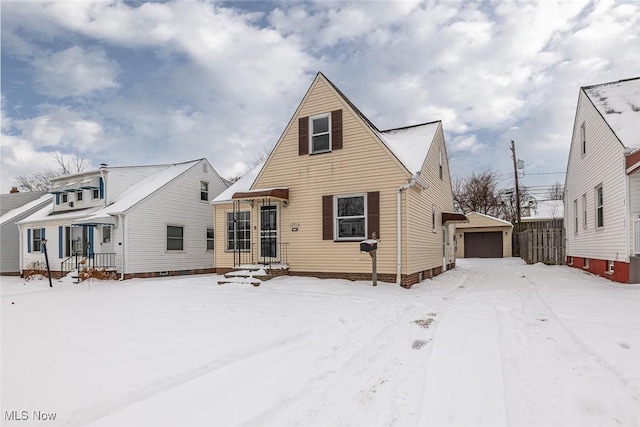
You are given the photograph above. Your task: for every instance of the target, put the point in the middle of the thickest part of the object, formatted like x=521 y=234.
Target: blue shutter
x=42 y=237
x=90 y=241
x=29 y=240
x=101 y=188
x=60 y=240
x=57 y=199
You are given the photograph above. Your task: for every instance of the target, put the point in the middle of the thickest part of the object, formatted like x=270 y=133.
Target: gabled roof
x=409 y=144
x=13 y=214
x=126 y=201
x=495 y=222
x=619 y=105
x=405 y=143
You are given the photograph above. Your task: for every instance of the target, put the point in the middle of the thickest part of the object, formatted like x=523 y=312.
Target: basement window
x=610 y=267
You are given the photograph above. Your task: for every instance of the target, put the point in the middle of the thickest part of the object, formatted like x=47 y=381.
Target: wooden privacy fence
x=546 y=246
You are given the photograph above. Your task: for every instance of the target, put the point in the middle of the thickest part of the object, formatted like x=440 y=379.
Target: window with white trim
x=65 y=198
x=204 y=191
x=584 y=211
x=320 y=130
x=175 y=238
x=79 y=196
x=95 y=193
x=575 y=216
x=599 y=202
x=440 y=162
x=583 y=139
x=36 y=240
x=238 y=231
x=351 y=217
x=209 y=238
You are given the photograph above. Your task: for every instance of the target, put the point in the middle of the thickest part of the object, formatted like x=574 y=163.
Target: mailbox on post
x=368 y=245
x=371 y=247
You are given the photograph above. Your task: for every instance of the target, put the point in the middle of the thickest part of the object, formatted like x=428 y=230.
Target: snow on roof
x=492 y=218
x=619 y=104
x=410 y=144
x=241 y=185
x=146 y=187
x=45 y=214
x=15 y=213
x=546 y=209
x=126 y=201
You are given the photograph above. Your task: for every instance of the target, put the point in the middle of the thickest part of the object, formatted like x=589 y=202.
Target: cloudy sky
x=139 y=83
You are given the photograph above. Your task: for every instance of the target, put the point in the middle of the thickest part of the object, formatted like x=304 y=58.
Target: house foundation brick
x=599 y=268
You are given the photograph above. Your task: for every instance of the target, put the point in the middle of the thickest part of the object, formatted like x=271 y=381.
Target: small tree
x=556 y=192
x=478 y=193
x=41 y=181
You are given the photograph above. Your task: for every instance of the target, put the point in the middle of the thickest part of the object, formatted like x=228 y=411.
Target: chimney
x=103 y=165
x=14 y=190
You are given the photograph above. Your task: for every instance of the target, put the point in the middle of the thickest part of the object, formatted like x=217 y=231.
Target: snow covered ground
x=493 y=342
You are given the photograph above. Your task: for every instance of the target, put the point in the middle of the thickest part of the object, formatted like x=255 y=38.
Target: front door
x=106 y=245
x=268 y=233
x=79 y=241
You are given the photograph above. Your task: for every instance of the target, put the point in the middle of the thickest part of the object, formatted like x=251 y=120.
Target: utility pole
x=515 y=171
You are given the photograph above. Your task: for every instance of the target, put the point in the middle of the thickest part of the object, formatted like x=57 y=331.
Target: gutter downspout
x=628 y=222
x=410 y=184
x=121 y=221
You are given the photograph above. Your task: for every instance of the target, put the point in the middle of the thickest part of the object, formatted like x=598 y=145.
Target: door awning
x=453 y=218
x=281 y=193
x=93 y=220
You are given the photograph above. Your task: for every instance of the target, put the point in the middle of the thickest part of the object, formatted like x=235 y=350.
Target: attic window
x=440 y=162
x=583 y=139
x=320 y=133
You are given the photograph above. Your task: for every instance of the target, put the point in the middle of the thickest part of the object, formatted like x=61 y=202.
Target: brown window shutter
x=303 y=136
x=336 y=130
x=373 y=214
x=327 y=217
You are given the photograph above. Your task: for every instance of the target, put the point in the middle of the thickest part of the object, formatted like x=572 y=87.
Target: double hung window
x=320 y=133
x=175 y=238
x=351 y=217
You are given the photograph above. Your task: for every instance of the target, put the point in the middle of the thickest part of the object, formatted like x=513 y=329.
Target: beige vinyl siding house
x=144 y=221
x=483 y=231
x=601 y=196
x=333 y=180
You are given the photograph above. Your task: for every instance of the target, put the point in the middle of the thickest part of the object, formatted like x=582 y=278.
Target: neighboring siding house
x=483 y=236
x=139 y=221
x=15 y=207
x=602 y=188
x=333 y=180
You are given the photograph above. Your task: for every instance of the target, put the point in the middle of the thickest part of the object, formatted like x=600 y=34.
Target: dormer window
x=65 y=197
x=320 y=133
x=95 y=194
x=79 y=196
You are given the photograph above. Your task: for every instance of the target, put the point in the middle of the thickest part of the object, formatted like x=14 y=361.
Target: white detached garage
x=483 y=236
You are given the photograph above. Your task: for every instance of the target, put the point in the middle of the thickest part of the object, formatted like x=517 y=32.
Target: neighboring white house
x=602 y=188
x=539 y=210
x=15 y=207
x=140 y=221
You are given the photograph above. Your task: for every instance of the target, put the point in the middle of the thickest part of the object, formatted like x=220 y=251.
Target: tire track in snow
x=374 y=374
x=104 y=409
x=549 y=370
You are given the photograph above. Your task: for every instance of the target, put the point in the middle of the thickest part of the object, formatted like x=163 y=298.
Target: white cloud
x=75 y=72
x=226 y=85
